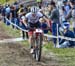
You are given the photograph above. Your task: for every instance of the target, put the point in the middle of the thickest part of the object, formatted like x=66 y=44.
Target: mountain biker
x=32 y=18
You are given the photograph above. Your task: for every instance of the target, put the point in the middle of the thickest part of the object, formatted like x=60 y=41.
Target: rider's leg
x=31 y=41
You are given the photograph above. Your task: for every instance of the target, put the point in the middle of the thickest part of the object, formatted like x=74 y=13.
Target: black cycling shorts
x=31 y=26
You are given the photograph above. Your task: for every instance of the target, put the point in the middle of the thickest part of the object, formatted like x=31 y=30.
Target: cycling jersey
x=33 y=19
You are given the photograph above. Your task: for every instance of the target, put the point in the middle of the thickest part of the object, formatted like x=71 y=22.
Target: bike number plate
x=39 y=31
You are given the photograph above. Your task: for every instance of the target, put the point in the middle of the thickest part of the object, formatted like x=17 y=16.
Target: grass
x=6 y=1
x=10 y=31
x=13 y=32
x=66 y=56
x=2 y=1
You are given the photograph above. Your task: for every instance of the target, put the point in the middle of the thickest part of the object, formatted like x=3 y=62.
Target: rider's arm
x=45 y=18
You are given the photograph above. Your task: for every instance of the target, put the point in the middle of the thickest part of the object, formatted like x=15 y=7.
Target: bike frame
x=38 y=38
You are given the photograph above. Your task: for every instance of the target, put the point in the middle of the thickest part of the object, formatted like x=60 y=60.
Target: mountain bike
x=38 y=39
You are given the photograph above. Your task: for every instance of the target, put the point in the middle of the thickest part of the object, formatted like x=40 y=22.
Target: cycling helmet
x=34 y=9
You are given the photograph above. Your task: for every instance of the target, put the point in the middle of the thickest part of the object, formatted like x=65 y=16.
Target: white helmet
x=34 y=9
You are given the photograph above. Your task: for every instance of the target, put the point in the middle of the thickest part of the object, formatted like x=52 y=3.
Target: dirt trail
x=14 y=54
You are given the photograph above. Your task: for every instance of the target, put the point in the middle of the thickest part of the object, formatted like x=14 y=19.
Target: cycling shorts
x=32 y=26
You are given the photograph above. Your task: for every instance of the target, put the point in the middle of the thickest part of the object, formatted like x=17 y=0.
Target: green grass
x=2 y=1
x=13 y=33
x=10 y=31
x=66 y=56
x=6 y=1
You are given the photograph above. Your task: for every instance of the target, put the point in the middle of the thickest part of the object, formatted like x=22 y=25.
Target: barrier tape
x=50 y=36
x=15 y=25
x=12 y=40
x=62 y=37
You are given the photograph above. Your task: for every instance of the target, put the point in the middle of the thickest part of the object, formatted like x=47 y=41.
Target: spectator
x=71 y=13
x=7 y=13
x=14 y=15
x=67 y=33
x=54 y=16
x=23 y=24
x=66 y=7
x=16 y=5
x=44 y=25
x=3 y=13
x=0 y=8
x=20 y=8
x=39 y=2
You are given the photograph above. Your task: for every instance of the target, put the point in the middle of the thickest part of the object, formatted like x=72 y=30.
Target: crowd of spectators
x=63 y=16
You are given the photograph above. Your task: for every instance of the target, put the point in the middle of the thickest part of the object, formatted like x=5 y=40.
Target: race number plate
x=39 y=31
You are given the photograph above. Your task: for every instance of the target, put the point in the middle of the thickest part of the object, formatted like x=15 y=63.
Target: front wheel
x=38 y=49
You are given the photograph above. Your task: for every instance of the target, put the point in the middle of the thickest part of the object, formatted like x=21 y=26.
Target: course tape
x=15 y=25
x=12 y=40
x=62 y=37
x=50 y=36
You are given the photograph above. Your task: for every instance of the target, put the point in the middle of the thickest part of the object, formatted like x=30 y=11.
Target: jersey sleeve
x=40 y=14
x=27 y=16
